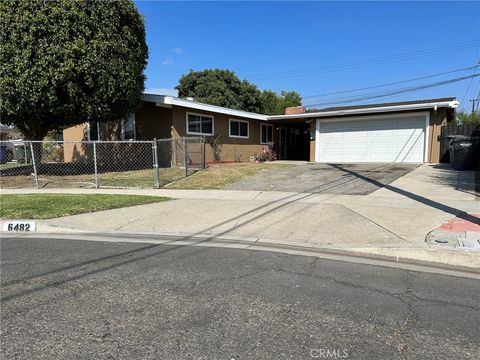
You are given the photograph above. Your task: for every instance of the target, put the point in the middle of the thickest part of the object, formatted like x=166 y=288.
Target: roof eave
x=443 y=104
x=163 y=100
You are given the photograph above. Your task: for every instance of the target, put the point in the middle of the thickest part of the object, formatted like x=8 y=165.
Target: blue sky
x=299 y=46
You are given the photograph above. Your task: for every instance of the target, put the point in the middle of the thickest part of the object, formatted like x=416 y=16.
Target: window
x=199 y=124
x=266 y=133
x=238 y=128
x=128 y=128
x=93 y=131
x=59 y=135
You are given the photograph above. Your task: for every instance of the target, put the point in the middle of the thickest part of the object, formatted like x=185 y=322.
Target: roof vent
x=190 y=98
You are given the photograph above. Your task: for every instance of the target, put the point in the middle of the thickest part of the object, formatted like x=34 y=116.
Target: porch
x=292 y=139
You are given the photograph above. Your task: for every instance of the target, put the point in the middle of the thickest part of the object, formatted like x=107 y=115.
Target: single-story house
x=4 y=130
x=389 y=132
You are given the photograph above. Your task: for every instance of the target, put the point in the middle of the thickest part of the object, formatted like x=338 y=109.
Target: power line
x=468 y=88
x=395 y=92
x=471 y=81
x=425 y=52
x=374 y=93
x=366 y=63
x=392 y=83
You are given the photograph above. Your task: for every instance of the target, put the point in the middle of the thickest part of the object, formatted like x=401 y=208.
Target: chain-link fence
x=95 y=164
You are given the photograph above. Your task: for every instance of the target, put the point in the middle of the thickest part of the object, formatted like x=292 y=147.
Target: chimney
x=294 y=110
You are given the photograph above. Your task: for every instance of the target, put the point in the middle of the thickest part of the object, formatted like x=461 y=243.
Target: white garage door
x=376 y=139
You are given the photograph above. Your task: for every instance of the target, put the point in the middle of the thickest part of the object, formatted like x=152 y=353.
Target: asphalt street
x=73 y=299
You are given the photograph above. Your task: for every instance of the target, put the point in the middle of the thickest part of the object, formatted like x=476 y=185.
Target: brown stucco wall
x=109 y=131
x=153 y=121
x=438 y=118
x=312 y=151
x=74 y=133
x=230 y=146
x=313 y=130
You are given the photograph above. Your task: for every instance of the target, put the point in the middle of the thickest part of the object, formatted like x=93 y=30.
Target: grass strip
x=48 y=206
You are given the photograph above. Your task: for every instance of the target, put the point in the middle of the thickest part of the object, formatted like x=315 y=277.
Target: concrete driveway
x=348 y=179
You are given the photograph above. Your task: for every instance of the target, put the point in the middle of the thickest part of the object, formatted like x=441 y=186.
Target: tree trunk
x=36 y=134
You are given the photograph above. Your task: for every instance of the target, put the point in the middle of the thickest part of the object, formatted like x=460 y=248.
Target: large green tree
x=65 y=62
x=465 y=118
x=223 y=88
x=275 y=104
x=220 y=87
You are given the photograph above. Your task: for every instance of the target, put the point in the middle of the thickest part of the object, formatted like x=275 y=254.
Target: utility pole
x=473 y=101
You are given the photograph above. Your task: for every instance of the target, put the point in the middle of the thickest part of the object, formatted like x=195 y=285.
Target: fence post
x=155 y=163
x=203 y=153
x=95 y=163
x=185 y=158
x=34 y=164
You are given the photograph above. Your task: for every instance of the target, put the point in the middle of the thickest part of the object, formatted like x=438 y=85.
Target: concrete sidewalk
x=393 y=220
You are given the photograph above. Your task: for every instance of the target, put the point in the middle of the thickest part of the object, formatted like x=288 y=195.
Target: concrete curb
x=456 y=260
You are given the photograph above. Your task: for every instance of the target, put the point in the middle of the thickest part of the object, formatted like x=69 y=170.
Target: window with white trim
x=238 y=128
x=266 y=133
x=128 y=128
x=199 y=124
x=93 y=131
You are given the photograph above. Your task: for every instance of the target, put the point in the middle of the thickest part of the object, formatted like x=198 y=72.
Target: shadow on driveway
x=421 y=199
x=313 y=178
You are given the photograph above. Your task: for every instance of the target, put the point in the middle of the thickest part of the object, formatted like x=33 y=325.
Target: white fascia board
x=155 y=98
x=216 y=109
x=448 y=104
x=168 y=101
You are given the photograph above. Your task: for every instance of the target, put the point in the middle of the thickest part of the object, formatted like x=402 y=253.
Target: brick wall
x=295 y=110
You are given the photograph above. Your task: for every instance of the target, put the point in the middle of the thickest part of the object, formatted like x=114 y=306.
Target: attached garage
x=377 y=138
x=398 y=132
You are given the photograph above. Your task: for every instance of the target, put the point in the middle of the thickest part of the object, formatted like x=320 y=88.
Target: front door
x=282 y=143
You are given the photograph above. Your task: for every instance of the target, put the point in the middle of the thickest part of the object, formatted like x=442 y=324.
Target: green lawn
x=12 y=165
x=47 y=206
x=217 y=176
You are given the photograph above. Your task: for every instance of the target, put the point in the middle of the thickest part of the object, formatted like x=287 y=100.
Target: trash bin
x=3 y=154
x=22 y=152
x=464 y=152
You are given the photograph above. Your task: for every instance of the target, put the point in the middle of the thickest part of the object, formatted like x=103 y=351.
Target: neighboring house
x=389 y=132
x=4 y=132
